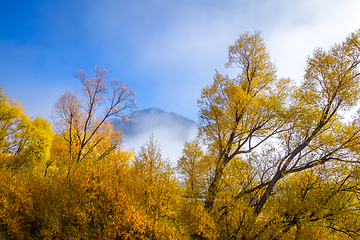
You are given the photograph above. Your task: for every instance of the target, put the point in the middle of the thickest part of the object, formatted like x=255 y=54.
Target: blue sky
x=167 y=51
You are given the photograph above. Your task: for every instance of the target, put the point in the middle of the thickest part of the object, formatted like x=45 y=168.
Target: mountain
x=151 y=119
x=170 y=130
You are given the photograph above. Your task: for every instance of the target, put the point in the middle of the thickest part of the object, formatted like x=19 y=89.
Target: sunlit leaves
x=238 y=115
x=14 y=124
x=333 y=75
x=194 y=169
x=156 y=191
x=264 y=130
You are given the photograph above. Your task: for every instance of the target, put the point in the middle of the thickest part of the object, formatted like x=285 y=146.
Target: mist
x=170 y=130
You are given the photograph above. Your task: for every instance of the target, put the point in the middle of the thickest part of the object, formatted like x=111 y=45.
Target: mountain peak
x=153 y=117
x=155 y=110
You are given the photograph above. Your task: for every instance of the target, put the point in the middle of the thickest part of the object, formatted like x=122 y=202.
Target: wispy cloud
x=306 y=26
x=170 y=130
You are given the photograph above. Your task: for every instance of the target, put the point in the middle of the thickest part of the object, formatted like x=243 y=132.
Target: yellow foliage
x=278 y=161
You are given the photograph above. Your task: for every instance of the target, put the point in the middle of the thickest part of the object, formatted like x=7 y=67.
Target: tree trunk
x=214 y=186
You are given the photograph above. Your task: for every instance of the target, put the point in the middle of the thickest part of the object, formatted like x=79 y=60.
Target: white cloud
x=324 y=23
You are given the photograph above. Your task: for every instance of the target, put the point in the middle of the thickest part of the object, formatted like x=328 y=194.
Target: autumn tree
x=24 y=142
x=235 y=112
x=313 y=204
x=316 y=133
x=14 y=124
x=25 y=145
x=156 y=191
x=273 y=125
x=194 y=169
x=189 y=168
x=76 y=120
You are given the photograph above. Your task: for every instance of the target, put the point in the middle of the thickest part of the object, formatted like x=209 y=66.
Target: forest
x=273 y=159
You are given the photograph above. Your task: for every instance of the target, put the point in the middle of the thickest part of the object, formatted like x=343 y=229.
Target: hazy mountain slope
x=170 y=130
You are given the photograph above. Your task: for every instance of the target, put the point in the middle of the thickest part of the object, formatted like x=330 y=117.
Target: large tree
x=235 y=112
x=76 y=120
x=275 y=126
